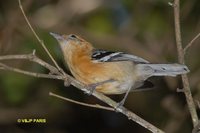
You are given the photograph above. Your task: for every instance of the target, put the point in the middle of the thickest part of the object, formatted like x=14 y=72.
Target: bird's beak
x=57 y=36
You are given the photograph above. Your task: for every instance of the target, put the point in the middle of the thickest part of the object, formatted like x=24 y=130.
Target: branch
x=191 y=42
x=132 y=116
x=31 y=57
x=196 y=129
x=33 y=74
x=180 y=51
x=81 y=103
x=37 y=37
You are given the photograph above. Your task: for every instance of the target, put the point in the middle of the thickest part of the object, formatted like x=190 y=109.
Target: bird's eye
x=73 y=36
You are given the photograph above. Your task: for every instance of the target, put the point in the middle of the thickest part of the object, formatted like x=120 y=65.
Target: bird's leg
x=93 y=86
x=121 y=103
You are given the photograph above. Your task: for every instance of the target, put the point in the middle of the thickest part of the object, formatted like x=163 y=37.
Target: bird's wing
x=108 y=56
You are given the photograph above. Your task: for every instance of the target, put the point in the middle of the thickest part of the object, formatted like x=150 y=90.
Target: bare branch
x=196 y=128
x=40 y=41
x=197 y=104
x=191 y=42
x=33 y=58
x=180 y=51
x=132 y=116
x=33 y=74
x=81 y=103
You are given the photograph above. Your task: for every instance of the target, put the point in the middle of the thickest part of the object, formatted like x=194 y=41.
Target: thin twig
x=180 y=51
x=197 y=104
x=191 y=42
x=31 y=57
x=37 y=37
x=196 y=128
x=81 y=103
x=130 y=115
x=33 y=74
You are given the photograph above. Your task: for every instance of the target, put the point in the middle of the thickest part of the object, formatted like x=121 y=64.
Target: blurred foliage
x=15 y=87
x=101 y=22
x=141 y=27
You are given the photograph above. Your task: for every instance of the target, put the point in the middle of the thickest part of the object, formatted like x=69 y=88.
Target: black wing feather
x=109 y=56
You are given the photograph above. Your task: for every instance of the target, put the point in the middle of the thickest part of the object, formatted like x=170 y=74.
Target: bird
x=110 y=72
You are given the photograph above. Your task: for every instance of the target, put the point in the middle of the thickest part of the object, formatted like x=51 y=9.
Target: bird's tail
x=162 y=69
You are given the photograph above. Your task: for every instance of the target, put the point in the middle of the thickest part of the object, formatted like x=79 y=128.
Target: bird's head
x=72 y=43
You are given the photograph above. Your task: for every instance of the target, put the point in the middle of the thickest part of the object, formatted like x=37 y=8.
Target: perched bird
x=110 y=72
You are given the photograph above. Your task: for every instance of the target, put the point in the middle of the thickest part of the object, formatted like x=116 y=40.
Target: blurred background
x=141 y=27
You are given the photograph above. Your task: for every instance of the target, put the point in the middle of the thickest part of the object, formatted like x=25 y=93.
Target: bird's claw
x=90 y=88
x=119 y=106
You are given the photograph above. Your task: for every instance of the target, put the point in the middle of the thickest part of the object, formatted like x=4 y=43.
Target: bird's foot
x=92 y=87
x=119 y=105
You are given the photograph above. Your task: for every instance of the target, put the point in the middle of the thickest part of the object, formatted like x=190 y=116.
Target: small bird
x=110 y=72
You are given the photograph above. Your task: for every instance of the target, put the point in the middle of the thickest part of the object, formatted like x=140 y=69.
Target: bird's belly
x=121 y=76
x=116 y=87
